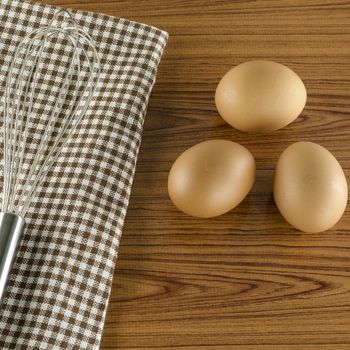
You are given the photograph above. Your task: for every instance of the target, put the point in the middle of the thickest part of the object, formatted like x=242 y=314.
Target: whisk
x=50 y=84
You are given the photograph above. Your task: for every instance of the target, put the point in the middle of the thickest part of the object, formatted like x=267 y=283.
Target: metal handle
x=11 y=230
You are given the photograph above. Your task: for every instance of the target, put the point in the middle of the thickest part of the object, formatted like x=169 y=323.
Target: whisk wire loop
x=19 y=160
x=29 y=155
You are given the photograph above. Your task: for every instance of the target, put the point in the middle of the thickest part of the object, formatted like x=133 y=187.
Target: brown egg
x=260 y=96
x=211 y=178
x=310 y=187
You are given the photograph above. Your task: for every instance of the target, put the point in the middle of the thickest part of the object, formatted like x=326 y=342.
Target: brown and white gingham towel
x=59 y=289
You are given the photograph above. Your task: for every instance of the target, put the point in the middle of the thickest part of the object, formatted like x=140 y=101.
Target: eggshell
x=310 y=187
x=260 y=96
x=211 y=178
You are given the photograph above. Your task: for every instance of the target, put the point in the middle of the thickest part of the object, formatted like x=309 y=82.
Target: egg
x=211 y=178
x=310 y=187
x=260 y=96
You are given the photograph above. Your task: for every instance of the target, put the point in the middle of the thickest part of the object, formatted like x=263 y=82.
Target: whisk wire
x=72 y=121
x=58 y=145
x=27 y=113
x=50 y=125
x=31 y=60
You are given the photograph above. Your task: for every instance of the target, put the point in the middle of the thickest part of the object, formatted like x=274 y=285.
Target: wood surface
x=245 y=280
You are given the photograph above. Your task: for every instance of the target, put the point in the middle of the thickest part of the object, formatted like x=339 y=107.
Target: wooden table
x=245 y=280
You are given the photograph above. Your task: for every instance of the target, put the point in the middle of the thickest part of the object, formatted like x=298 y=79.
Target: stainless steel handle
x=11 y=230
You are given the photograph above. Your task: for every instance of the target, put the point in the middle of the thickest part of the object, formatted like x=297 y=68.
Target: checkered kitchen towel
x=61 y=281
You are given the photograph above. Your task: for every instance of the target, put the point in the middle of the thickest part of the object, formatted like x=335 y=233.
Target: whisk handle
x=11 y=230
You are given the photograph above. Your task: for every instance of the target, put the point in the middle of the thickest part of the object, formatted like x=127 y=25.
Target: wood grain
x=246 y=280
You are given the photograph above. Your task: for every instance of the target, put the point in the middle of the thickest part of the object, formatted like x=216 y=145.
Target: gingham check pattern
x=59 y=289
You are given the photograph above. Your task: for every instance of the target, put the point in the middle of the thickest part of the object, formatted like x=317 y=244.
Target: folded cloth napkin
x=60 y=285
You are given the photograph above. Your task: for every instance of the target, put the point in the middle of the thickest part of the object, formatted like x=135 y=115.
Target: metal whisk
x=51 y=81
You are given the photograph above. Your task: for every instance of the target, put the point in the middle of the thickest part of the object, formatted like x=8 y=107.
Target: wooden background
x=246 y=280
